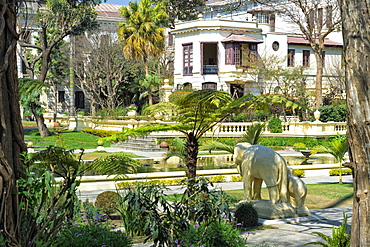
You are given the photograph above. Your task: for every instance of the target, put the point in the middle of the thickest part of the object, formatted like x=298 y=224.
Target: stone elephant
x=257 y=163
x=298 y=192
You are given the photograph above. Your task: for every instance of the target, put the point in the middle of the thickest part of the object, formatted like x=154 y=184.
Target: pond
x=220 y=162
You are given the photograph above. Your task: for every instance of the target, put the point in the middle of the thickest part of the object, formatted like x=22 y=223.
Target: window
x=291 y=57
x=61 y=96
x=188 y=59
x=306 y=58
x=209 y=85
x=262 y=17
x=241 y=54
x=79 y=100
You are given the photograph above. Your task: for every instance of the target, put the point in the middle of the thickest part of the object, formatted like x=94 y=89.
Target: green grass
x=318 y=196
x=70 y=140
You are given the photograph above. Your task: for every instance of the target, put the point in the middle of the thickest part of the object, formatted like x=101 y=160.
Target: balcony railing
x=210 y=69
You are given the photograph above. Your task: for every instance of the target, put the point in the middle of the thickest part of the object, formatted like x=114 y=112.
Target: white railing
x=232 y=129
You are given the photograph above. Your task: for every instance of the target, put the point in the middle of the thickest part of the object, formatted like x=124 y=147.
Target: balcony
x=210 y=69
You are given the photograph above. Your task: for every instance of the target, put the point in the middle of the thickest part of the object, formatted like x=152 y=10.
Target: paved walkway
x=292 y=232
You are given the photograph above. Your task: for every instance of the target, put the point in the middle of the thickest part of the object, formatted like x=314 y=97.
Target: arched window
x=209 y=85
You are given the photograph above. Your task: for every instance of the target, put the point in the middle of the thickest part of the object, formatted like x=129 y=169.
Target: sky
x=120 y=2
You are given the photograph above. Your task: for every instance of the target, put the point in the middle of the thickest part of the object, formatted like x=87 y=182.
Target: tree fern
x=116 y=164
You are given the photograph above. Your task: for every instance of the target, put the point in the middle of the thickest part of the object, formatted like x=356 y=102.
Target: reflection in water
x=219 y=162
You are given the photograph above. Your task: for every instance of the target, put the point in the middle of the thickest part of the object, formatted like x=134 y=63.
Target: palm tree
x=338 y=148
x=143 y=32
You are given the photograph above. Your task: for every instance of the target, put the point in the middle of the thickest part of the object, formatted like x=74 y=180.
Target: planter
x=56 y=124
x=132 y=114
x=164 y=144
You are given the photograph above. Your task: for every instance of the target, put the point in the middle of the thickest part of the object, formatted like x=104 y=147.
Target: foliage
x=253 y=133
x=91 y=227
x=107 y=77
x=217 y=179
x=275 y=126
x=299 y=173
x=246 y=215
x=257 y=115
x=182 y=9
x=336 y=113
x=145 y=210
x=107 y=201
x=343 y=171
x=236 y=178
x=215 y=234
x=46 y=203
x=29 y=92
x=176 y=148
x=100 y=133
x=118 y=164
x=61 y=18
x=340 y=236
x=114 y=113
x=338 y=148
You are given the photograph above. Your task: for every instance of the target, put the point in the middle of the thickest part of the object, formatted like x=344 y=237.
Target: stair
x=145 y=144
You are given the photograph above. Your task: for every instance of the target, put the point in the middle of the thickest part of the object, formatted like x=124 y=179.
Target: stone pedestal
x=267 y=210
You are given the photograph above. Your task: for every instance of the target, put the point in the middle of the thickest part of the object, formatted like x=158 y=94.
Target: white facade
x=211 y=36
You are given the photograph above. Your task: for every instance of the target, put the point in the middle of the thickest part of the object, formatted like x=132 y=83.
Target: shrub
x=336 y=172
x=216 y=234
x=242 y=117
x=299 y=173
x=299 y=144
x=336 y=113
x=275 y=126
x=246 y=215
x=236 y=178
x=92 y=236
x=107 y=201
x=217 y=179
x=100 y=133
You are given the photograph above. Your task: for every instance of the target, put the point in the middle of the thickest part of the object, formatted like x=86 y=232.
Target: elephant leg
x=273 y=190
x=257 y=188
x=248 y=180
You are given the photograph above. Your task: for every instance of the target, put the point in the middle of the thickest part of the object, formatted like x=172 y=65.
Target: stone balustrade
x=227 y=129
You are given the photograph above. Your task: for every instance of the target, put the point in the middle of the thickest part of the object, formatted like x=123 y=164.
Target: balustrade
x=229 y=129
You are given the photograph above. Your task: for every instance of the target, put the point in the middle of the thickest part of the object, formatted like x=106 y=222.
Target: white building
x=215 y=50
x=68 y=95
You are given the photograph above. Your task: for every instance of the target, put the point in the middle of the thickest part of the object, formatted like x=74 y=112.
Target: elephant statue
x=297 y=191
x=257 y=163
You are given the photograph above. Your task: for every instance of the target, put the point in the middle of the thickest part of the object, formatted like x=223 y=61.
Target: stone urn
x=163 y=144
x=132 y=114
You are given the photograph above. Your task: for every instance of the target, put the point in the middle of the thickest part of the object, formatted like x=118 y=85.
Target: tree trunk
x=40 y=121
x=319 y=73
x=192 y=148
x=356 y=35
x=11 y=130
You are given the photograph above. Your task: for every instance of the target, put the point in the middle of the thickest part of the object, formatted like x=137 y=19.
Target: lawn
x=318 y=195
x=62 y=137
